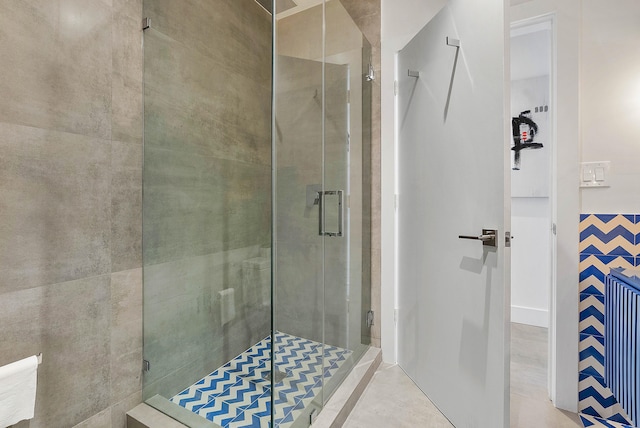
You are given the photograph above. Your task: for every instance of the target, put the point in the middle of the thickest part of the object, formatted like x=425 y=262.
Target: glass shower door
x=256 y=225
x=321 y=134
x=206 y=205
x=348 y=85
x=298 y=246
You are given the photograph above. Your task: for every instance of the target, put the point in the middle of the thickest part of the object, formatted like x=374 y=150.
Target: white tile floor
x=393 y=400
x=530 y=405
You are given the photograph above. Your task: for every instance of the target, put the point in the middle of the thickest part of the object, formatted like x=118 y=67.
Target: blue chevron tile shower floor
x=238 y=394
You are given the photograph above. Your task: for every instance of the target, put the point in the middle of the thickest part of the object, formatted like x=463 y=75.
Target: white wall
x=610 y=102
x=530 y=261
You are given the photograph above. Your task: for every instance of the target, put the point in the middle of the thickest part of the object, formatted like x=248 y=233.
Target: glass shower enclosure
x=256 y=208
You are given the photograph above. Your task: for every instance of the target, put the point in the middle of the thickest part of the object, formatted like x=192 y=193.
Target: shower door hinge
x=395 y=87
x=146 y=366
x=370 y=317
x=146 y=23
x=349 y=96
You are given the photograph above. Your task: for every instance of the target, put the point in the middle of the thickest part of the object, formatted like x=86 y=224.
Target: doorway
x=532 y=252
x=531 y=156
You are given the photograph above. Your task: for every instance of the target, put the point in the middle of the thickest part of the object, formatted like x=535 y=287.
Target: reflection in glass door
x=321 y=128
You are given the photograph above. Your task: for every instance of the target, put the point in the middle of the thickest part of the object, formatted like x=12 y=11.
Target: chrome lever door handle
x=488 y=237
x=478 y=238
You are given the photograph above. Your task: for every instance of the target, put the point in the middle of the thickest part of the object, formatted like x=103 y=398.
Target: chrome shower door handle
x=488 y=237
x=321 y=216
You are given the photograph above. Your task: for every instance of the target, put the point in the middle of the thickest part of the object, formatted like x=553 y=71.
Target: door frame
x=565 y=197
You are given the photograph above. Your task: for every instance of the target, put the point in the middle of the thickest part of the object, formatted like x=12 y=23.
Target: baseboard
x=530 y=316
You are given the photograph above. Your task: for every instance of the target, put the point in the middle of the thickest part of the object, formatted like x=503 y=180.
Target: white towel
x=18 y=391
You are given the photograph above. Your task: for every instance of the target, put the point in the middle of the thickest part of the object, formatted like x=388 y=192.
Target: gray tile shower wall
x=184 y=337
x=71 y=185
x=71 y=204
x=367 y=15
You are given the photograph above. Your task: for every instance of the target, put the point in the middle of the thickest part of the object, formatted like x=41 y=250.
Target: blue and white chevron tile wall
x=606 y=241
x=592 y=421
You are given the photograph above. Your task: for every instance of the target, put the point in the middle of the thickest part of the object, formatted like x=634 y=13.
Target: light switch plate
x=595 y=174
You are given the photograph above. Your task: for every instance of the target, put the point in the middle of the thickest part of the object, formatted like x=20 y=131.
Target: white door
x=453 y=158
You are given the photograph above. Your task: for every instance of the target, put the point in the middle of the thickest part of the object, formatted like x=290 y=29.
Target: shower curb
x=146 y=416
x=339 y=407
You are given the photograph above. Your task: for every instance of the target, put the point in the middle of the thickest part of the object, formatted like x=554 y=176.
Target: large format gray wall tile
x=101 y=420
x=127 y=94
x=184 y=338
x=206 y=180
x=119 y=410
x=312 y=273
x=69 y=324
x=126 y=206
x=367 y=15
x=236 y=34
x=70 y=205
x=131 y=8
x=195 y=205
x=126 y=334
x=55 y=207
x=299 y=290
x=195 y=106
x=56 y=65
